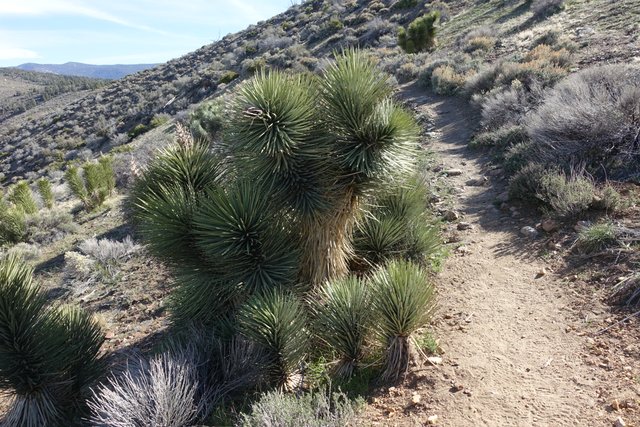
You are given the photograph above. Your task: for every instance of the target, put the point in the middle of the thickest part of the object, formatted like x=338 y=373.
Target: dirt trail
x=512 y=356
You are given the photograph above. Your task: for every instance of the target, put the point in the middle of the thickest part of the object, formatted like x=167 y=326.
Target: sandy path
x=509 y=357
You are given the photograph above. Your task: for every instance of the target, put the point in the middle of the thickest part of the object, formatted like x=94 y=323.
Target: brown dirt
x=519 y=343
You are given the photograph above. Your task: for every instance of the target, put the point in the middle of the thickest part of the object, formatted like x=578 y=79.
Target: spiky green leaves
x=374 y=137
x=237 y=229
x=165 y=198
x=44 y=188
x=342 y=315
x=22 y=197
x=48 y=356
x=274 y=130
x=403 y=302
x=95 y=184
x=397 y=227
x=276 y=321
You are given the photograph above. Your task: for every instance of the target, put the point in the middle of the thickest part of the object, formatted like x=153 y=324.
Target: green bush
x=526 y=184
x=44 y=188
x=269 y=212
x=420 y=35
x=397 y=227
x=403 y=302
x=137 y=130
x=405 y=4
x=48 y=355
x=228 y=77
x=96 y=183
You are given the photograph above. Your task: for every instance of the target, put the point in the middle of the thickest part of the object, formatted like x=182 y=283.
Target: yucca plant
x=319 y=145
x=95 y=184
x=13 y=226
x=342 y=314
x=165 y=198
x=44 y=188
x=276 y=320
x=48 y=356
x=236 y=229
x=403 y=301
x=397 y=226
x=22 y=198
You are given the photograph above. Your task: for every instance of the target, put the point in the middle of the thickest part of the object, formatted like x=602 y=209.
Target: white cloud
x=66 y=7
x=10 y=53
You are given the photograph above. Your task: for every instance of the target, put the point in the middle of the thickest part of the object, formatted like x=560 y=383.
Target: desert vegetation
x=271 y=249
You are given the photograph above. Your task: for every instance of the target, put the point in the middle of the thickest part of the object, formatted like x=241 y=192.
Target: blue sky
x=120 y=31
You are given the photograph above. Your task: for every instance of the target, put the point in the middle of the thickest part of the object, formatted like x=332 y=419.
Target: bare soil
x=520 y=343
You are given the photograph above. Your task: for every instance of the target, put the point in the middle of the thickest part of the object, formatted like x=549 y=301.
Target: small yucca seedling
x=342 y=316
x=44 y=188
x=276 y=321
x=403 y=302
x=22 y=197
x=48 y=356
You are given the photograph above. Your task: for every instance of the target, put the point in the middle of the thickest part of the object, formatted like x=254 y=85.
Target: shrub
x=596 y=237
x=341 y=319
x=526 y=183
x=313 y=409
x=107 y=253
x=405 y=4
x=49 y=355
x=517 y=157
x=403 y=301
x=49 y=226
x=590 y=121
x=446 y=81
x=162 y=392
x=546 y=7
x=482 y=43
x=137 y=130
x=158 y=120
x=228 y=77
x=22 y=198
x=44 y=188
x=207 y=120
x=96 y=183
x=509 y=107
x=609 y=199
x=567 y=196
x=503 y=137
x=276 y=321
x=420 y=35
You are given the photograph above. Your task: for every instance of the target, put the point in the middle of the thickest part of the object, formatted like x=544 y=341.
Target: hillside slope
x=519 y=329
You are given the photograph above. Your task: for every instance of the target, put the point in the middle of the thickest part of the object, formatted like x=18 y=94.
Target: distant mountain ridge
x=114 y=72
